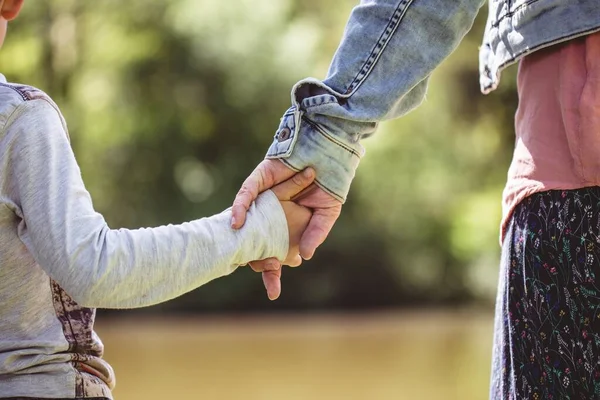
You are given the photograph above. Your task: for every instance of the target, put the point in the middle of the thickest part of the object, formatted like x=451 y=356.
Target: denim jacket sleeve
x=380 y=71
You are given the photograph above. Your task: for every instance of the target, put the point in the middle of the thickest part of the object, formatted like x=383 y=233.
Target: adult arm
x=380 y=71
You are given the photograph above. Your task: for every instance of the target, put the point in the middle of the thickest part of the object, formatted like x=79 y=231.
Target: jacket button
x=284 y=135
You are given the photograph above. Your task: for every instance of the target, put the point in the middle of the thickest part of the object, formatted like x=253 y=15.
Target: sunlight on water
x=383 y=356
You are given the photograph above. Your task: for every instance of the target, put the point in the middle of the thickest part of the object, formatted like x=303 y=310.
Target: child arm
x=102 y=267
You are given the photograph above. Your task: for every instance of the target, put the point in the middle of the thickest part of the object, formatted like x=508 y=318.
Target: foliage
x=171 y=103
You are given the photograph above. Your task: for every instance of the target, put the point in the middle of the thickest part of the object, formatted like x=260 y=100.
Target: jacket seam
x=511 y=13
x=526 y=52
x=318 y=181
x=277 y=154
x=379 y=46
x=324 y=134
x=332 y=101
x=330 y=138
x=290 y=111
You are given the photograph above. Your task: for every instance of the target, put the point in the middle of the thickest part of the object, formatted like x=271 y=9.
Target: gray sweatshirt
x=59 y=260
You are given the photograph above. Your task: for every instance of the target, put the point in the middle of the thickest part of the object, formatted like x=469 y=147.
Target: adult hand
x=297 y=218
x=326 y=209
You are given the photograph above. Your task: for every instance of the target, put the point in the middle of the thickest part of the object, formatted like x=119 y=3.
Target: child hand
x=297 y=216
x=297 y=219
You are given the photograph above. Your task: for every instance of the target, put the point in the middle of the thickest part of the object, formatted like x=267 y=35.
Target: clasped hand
x=309 y=210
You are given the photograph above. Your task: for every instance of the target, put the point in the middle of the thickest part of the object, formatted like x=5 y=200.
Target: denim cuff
x=301 y=142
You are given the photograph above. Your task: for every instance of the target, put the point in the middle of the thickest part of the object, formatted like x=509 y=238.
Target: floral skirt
x=547 y=325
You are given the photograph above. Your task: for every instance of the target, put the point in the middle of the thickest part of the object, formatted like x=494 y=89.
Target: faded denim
x=381 y=70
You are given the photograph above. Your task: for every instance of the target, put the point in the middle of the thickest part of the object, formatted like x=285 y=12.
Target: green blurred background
x=170 y=105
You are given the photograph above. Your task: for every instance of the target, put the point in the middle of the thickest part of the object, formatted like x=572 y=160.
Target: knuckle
x=265 y=173
x=319 y=233
x=243 y=190
x=298 y=180
x=243 y=197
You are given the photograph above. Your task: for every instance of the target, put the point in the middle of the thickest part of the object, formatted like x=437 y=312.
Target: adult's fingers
x=267 y=174
x=296 y=184
x=272 y=282
x=317 y=230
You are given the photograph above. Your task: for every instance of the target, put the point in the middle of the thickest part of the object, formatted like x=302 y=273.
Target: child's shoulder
x=15 y=95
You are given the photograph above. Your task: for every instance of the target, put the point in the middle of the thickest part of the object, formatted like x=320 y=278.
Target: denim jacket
x=381 y=69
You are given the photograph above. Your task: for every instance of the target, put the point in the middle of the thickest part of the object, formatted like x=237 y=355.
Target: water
x=383 y=356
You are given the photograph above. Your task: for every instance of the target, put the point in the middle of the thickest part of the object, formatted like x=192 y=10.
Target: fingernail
x=233 y=222
x=308 y=173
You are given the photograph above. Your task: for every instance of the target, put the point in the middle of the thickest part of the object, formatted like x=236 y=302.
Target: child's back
x=59 y=260
x=52 y=242
x=47 y=343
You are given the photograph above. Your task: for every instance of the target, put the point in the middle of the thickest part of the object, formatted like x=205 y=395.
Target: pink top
x=557 y=123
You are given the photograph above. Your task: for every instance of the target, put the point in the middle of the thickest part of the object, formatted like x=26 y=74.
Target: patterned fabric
x=556 y=143
x=547 y=328
x=85 y=347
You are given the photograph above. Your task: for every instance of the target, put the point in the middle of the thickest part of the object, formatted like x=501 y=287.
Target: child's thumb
x=296 y=184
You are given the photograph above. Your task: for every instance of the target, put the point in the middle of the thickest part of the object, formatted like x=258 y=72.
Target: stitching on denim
x=330 y=138
x=530 y=50
x=328 y=190
x=290 y=166
x=510 y=13
x=289 y=111
x=321 y=184
x=278 y=153
x=332 y=100
x=324 y=134
x=380 y=45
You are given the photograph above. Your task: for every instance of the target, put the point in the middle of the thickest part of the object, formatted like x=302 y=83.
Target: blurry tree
x=171 y=103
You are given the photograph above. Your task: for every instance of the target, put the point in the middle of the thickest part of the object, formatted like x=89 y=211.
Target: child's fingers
x=294 y=262
x=296 y=184
x=270 y=264
x=272 y=282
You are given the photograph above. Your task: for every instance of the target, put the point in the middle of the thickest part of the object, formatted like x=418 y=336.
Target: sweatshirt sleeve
x=117 y=268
